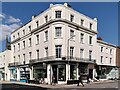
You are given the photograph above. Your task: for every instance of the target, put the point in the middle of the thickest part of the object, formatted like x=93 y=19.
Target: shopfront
x=13 y=73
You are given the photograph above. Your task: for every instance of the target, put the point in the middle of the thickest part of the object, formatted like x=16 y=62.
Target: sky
x=15 y=14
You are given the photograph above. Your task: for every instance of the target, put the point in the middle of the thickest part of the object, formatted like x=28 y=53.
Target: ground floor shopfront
x=61 y=71
x=107 y=72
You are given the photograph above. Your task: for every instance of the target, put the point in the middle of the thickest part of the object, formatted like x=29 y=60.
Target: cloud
x=11 y=20
x=1 y=15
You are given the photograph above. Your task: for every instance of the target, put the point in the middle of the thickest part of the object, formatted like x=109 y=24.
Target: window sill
x=82 y=43
x=37 y=44
x=58 y=38
x=45 y=41
x=29 y=46
x=72 y=40
x=91 y=44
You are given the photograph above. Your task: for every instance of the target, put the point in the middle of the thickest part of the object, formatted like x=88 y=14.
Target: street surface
x=91 y=86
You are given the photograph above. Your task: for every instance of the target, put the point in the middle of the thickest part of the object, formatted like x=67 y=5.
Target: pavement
x=103 y=84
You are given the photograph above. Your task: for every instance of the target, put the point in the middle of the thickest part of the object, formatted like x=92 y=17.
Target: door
x=54 y=68
x=91 y=73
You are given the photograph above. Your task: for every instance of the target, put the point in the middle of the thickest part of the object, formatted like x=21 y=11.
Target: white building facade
x=60 y=42
x=5 y=58
x=106 y=62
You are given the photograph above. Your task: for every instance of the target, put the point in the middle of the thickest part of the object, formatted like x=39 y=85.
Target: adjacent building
x=61 y=43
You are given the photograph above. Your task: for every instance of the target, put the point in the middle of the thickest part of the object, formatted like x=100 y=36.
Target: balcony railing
x=63 y=58
x=14 y=64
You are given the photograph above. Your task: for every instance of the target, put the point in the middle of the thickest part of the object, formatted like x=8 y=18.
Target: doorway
x=91 y=73
x=54 y=68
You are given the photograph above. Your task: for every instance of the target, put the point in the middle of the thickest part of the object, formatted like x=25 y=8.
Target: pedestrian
x=80 y=80
x=88 y=81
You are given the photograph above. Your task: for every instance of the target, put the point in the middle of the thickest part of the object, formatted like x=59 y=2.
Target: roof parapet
x=51 y=5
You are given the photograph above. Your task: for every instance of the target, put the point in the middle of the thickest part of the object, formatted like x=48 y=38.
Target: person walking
x=80 y=80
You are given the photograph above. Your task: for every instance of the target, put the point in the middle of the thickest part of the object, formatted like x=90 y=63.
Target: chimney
x=33 y=17
x=65 y=4
x=51 y=5
x=99 y=38
x=95 y=19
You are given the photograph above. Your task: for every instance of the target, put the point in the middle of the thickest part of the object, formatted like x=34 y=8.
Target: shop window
x=73 y=72
x=61 y=72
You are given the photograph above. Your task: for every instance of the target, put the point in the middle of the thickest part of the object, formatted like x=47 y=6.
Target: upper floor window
x=14 y=48
x=29 y=28
x=71 y=18
x=110 y=60
x=58 y=14
x=101 y=49
x=46 y=51
x=23 y=32
x=81 y=53
x=71 y=34
x=30 y=55
x=18 y=46
x=37 y=54
x=110 y=51
x=71 y=52
x=46 y=35
x=23 y=58
x=19 y=58
x=18 y=34
x=23 y=44
x=90 y=54
x=13 y=37
x=91 y=25
x=30 y=42
x=37 y=39
x=82 y=22
x=58 y=31
x=106 y=50
x=37 y=24
x=58 y=51
x=101 y=59
x=90 y=39
x=46 y=18
x=82 y=38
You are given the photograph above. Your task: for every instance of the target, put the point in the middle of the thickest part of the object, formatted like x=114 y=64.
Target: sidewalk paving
x=57 y=85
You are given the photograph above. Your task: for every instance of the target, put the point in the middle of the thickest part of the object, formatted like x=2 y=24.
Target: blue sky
x=16 y=14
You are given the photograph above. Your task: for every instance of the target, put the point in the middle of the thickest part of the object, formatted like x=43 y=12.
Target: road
x=93 y=86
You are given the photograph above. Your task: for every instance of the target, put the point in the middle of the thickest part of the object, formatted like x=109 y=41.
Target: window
x=18 y=35
x=106 y=50
x=37 y=39
x=13 y=37
x=71 y=34
x=62 y=72
x=91 y=25
x=58 y=14
x=82 y=22
x=23 y=58
x=81 y=53
x=110 y=51
x=23 y=44
x=46 y=51
x=71 y=52
x=58 y=51
x=23 y=32
x=90 y=39
x=110 y=60
x=29 y=28
x=90 y=54
x=58 y=31
x=14 y=59
x=14 y=48
x=30 y=55
x=106 y=59
x=46 y=35
x=30 y=43
x=37 y=23
x=19 y=58
x=71 y=18
x=101 y=59
x=18 y=46
x=37 y=54
x=82 y=38
x=46 y=18
x=101 y=49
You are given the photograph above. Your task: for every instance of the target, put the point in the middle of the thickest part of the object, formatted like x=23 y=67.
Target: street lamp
x=68 y=52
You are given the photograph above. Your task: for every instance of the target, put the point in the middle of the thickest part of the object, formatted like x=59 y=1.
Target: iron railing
x=14 y=64
x=63 y=58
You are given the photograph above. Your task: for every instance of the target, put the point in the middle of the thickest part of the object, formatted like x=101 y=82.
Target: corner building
x=60 y=42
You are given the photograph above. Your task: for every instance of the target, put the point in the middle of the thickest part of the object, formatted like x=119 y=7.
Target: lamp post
x=68 y=52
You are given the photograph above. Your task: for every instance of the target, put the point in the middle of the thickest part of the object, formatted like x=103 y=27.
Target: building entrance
x=54 y=77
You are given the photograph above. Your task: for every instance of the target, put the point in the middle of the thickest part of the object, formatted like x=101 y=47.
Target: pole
x=68 y=57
